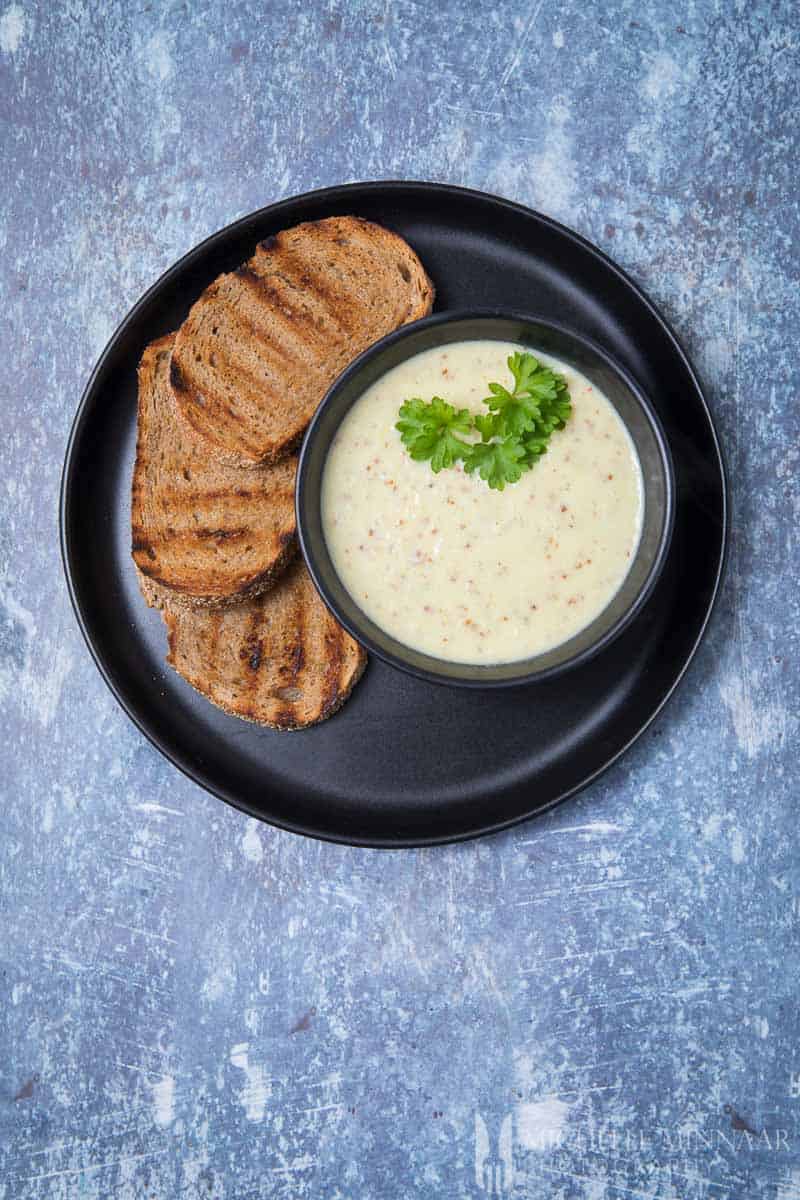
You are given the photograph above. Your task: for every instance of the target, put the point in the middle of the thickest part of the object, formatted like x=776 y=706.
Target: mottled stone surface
x=196 y=1005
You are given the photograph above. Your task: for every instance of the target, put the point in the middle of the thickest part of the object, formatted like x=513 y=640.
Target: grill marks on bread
x=280 y=660
x=211 y=533
x=262 y=345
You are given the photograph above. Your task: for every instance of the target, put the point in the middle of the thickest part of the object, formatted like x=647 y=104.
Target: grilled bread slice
x=213 y=534
x=263 y=344
x=280 y=660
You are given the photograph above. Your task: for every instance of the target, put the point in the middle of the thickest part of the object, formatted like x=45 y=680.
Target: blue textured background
x=196 y=1005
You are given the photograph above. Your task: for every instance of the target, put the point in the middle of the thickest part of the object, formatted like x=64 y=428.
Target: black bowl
x=578 y=352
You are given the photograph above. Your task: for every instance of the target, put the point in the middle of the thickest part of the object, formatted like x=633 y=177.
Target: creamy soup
x=452 y=568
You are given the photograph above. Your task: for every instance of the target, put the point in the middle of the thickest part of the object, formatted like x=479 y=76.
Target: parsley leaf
x=530 y=407
x=486 y=425
x=514 y=414
x=498 y=463
x=428 y=431
x=534 y=445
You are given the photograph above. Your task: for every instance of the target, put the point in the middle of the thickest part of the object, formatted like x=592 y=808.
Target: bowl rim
x=396 y=658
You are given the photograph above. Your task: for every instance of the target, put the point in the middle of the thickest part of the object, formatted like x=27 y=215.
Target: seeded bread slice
x=211 y=533
x=263 y=344
x=280 y=660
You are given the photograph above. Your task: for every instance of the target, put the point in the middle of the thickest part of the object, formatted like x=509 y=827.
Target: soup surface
x=452 y=568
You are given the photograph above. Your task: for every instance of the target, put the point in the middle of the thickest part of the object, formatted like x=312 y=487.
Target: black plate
x=406 y=762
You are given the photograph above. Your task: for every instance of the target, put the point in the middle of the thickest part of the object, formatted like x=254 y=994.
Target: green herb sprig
x=514 y=433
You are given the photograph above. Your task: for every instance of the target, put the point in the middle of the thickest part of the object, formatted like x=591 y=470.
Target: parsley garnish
x=514 y=432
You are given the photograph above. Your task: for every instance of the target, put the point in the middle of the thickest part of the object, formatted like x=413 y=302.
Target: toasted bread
x=280 y=660
x=263 y=344
x=212 y=533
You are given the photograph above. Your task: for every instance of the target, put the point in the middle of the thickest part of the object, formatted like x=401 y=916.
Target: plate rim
x=338 y=192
